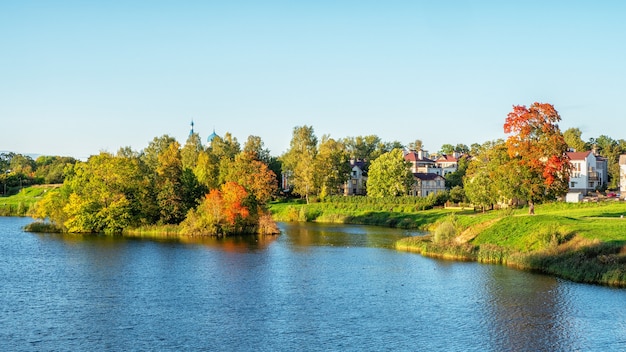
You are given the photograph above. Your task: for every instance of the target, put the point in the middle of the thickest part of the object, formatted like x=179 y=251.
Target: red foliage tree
x=538 y=152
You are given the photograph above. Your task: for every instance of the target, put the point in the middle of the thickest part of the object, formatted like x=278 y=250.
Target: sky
x=81 y=77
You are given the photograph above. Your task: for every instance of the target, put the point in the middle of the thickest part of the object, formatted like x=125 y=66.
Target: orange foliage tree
x=222 y=212
x=538 y=152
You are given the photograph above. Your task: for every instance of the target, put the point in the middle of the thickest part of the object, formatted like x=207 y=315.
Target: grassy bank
x=19 y=204
x=580 y=242
x=393 y=212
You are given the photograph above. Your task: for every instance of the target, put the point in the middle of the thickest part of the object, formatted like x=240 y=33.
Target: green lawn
x=19 y=204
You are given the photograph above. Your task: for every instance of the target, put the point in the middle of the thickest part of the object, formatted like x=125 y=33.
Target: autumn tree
x=254 y=175
x=537 y=150
x=222 y=212
x=389 y=175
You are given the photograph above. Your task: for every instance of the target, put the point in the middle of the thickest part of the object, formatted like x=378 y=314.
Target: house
x=447 y=163
x=589 y=172
x=427 y=183
x=420 y=163
x=357 y=183
x=622 y=173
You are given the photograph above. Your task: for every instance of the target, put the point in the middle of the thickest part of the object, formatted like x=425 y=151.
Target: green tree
x=207 y=170
x=99 y=195
x=417 y=145
x=51 y=169
x=573 y=139
x=488 y=179
x=447 y=149
x=611 y=150
x=389 y=175
x=158 y=145
x=298 y=161
x=191 y=150
x=255 y=148
x=169 y=185
x=332 y=168
x=455 y=178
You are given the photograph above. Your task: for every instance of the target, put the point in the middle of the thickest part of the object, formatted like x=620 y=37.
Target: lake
x=313 y=288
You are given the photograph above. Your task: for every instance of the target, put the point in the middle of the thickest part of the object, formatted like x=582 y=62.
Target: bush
x=446 y=231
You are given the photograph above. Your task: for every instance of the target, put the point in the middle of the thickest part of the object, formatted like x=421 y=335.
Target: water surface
x=315 y=287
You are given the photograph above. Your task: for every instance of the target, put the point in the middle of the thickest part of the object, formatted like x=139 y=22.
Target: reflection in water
x=527 y=312
x=311 y=234
x=242 y=244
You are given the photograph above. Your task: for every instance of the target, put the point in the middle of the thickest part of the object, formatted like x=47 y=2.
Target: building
x=589 y=172
x=447 y=163
x=427 y=183
x=622 y=173
x=210 y=138
x=357 y=183
x=420 y=163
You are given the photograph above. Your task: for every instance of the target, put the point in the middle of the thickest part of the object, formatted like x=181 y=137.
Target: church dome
x=211 y=137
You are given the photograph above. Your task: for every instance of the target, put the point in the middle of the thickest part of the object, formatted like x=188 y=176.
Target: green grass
x=20 y=203
x=579 y=242
x=386 y=214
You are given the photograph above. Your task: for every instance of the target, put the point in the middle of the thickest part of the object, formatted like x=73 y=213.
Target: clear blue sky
x=78 y=77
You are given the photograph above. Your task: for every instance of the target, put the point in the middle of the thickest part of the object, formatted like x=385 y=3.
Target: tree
x=169 y=185
x=488 y=178
x=417 y=145
x=158 y=145
x=537 y=150
x=455 y=178
x=332 y=168
x=573 y=139
x=362 y=147
x=100 y=195
x=611 y=150
x=298 y=161
x=254 y=175
x=446 y=149
x=222 y=212
x=191 y=150
x=254 y=147
x=389 y=175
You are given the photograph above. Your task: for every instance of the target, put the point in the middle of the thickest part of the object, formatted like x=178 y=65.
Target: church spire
x=191 y=132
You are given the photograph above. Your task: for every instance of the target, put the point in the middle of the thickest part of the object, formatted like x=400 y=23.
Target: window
x=572 y=184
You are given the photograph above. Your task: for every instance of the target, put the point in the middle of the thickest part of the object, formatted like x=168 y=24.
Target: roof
x=427 y=176
x=413 y=156
x=578 y=155
x=212 y=137
x=358 y=163
x=447 y=158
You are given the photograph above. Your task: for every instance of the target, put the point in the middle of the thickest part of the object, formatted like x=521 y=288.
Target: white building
x=589 y=172
x=622 y=173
